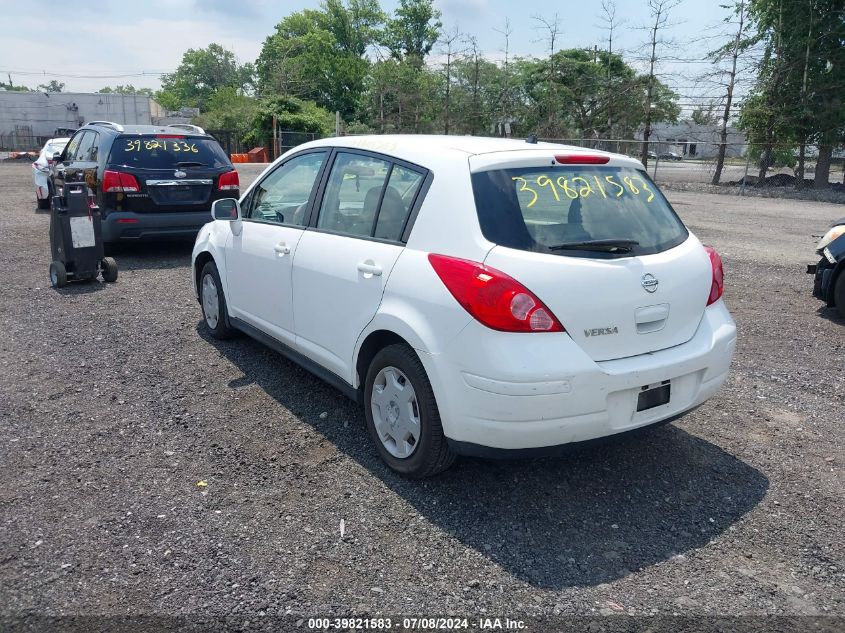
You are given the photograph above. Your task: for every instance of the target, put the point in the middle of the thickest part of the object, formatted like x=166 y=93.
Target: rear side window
x=368 y=197
x=167 y=152
x=87 y=150
x=541 y=208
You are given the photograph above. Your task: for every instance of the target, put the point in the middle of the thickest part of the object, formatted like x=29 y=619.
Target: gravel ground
x=115 y=403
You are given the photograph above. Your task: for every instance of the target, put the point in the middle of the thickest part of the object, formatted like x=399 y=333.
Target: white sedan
x=41 y=170
x=477 y=296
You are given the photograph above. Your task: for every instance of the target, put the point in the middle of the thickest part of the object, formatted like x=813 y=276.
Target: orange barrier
x=240 y=158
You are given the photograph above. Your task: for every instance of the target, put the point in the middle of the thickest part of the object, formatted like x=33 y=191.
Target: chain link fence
x=234 y=142
x=669 y=162
x=22 y=143
x=744 y=164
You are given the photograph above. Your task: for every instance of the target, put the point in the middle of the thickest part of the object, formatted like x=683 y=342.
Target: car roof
x=467 y=145
x=143 y=129
x=416 y=148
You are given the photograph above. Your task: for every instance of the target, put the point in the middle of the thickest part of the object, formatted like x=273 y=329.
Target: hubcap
x=210 y=303
x=396 y=414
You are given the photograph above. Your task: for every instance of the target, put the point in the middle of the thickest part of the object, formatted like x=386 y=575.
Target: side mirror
x=57 y=156
x=227 y=209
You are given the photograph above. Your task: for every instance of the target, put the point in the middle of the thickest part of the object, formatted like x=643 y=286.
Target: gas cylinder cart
x=76 y=239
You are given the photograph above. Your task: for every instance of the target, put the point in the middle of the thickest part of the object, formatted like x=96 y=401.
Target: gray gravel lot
x=115 y=403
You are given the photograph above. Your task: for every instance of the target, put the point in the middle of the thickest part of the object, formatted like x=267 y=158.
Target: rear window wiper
x=610 y=245
x=190 y=163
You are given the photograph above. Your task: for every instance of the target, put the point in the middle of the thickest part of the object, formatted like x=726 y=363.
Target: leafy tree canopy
x=202 y=72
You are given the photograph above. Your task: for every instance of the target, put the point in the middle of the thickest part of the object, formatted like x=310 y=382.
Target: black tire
x=219 y=329
x=109 y=269
x=58 y=275
x=44 y=204
x=839 y=294
x=431 y=454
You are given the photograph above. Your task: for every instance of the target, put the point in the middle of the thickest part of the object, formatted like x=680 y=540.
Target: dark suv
x=150 y=182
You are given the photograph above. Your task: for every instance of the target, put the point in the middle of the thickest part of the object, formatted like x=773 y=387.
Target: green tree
x=319 y=55
x=128 y=89
x=412 y=31
x=168 y=100
x=227 y=109
x=14 y=88
x=477 y=89
x=580 y=97
x=204 y=71
x=292 y=114
x=704 y=116
x=797 y=96
x=52 y=86
x=401 y=97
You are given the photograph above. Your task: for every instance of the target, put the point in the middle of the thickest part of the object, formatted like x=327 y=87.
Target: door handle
x=281 y=248
x=369 y=267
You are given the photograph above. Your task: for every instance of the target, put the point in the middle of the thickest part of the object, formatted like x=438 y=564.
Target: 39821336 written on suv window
x=539 y=208
x=166 y=152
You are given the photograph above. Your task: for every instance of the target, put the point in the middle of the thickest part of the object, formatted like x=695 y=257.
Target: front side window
x=282 y=197
x=353 y=193
x=576 y=210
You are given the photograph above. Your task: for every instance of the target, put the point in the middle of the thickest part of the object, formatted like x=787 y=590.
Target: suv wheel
x=213 y=302
x=402 y=415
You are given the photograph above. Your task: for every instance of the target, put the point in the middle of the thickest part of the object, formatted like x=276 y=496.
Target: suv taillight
x=493 y=298
x=228 y=181
x=119 y=182
x=718 y=284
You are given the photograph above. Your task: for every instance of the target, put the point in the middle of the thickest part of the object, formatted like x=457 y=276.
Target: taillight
x=228 y=181
x=119 y=182
x=582 y=159
x=718 y=284
x=493 y=298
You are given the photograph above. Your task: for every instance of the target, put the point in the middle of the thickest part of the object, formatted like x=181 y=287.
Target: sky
x=88 y=44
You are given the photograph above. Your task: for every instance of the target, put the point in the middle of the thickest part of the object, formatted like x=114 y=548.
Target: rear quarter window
x=536 y=209
x=151 y=152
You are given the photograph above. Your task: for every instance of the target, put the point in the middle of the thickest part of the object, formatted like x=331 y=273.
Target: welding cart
x=76 y=240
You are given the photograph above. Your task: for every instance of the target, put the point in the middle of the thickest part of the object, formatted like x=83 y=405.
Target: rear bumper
x=516 y=392
x=125 y=226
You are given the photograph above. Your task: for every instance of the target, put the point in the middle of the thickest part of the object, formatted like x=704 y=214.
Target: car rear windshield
x=562 y=209
x=167 y=152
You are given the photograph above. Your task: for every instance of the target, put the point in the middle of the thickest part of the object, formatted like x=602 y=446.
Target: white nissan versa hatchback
x=478 y=296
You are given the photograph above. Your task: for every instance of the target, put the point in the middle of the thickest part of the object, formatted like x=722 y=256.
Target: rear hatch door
x=601 y=247
x=174 y=173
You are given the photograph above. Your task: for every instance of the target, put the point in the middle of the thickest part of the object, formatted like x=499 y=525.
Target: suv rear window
x=165 y=152
x=541 y=208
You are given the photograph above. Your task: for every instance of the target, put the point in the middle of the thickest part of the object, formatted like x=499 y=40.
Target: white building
x=692 y=140
x=27 y=119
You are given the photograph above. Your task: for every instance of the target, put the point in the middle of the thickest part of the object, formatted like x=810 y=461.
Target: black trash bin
x=76 y=240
